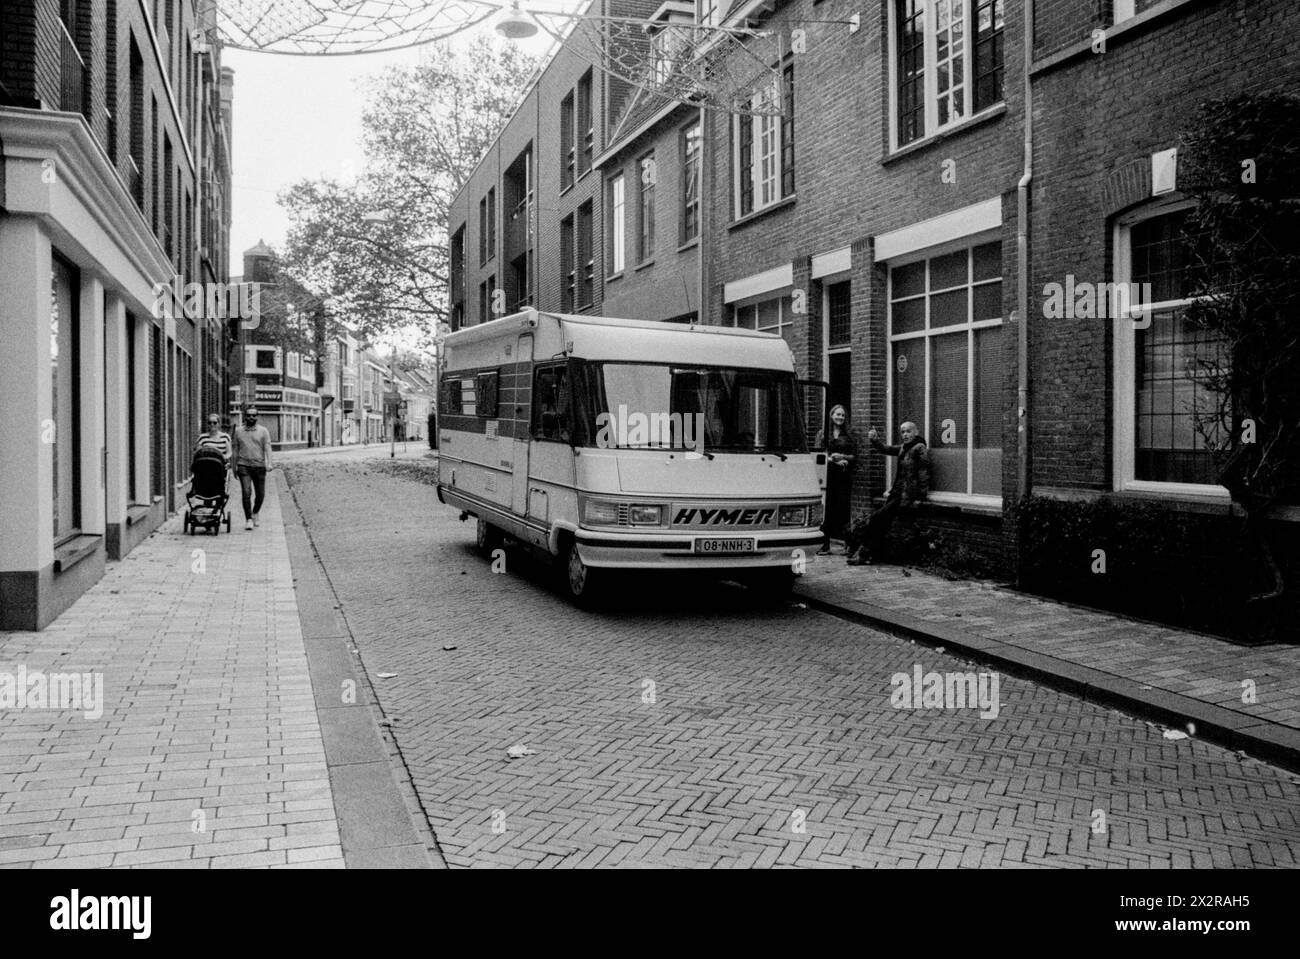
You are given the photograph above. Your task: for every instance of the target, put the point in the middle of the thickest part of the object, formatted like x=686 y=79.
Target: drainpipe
x=1022 y=285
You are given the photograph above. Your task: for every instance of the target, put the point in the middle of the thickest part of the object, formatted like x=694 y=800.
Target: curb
x=381 y=822
x=1263 y=740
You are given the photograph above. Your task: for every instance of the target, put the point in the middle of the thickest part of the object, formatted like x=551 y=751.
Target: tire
x=187 y=525
x=582 y=584
x=488 y=538
x=227 y=523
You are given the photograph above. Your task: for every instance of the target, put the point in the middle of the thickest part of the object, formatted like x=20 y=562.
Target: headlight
x=599 y=511
x=644 y=515
x=816 y=519
x=794 y=515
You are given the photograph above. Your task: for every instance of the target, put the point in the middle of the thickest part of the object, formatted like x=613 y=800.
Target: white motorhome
x=627 y=444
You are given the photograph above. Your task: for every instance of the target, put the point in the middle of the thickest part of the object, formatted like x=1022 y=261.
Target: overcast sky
x=299 y=117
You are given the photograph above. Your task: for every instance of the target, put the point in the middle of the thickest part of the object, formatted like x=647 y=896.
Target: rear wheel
x=488 y=538
x=584 y=585
x=187 y=523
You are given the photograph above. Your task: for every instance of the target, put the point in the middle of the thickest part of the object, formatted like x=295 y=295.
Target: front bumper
x=659 y=549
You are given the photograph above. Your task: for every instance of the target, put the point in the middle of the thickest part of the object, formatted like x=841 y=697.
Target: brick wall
x=849 y=187
x=665 y=286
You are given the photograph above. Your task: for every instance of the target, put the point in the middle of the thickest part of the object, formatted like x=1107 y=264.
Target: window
x=65 y=398
x=839 y=329
x=263 y=358
x=763 y=152
x=292 y=364
x=942 y=51
x=457 y=292
x=946 y=363
x=1123 y=10
x=691 y=168
x=483 y=302
x=645 y=242
x=586 y=133
x=485 y=389
x=617 y=224
x=552 y=412
x=586 y=266
x=767 y=316
x=667 y=44
x=1169 y=421
x=567 y=265
x=567 y=158
x=487 y=227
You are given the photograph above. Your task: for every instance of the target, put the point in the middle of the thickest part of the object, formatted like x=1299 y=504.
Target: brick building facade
x=899 y=222
x=115 y=142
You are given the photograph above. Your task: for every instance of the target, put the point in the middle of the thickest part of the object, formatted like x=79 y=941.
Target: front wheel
x=582 y=583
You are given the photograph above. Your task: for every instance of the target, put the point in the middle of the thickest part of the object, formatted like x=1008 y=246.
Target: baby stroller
x=207 y=496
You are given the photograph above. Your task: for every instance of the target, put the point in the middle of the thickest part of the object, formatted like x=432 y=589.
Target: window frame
x=692 y=166
x=617 y=237
x=927 y=333
x=487 y=394
x=568 y=263
x=1124 y=369
x=645 y=208
x=568 y=133
x=930 y=126
x=584 y=227
x=535 y=413
x=748 y=133
x=584 y=133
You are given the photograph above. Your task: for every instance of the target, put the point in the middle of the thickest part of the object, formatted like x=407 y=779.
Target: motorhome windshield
x=706 y=408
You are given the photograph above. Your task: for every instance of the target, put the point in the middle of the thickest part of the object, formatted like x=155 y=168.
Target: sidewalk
x=1166 y=674
x=209 y=751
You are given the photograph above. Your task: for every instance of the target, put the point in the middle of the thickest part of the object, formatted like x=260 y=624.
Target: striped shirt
x=220 y=442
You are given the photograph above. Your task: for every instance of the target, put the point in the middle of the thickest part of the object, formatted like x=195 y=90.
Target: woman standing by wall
x=841 y=453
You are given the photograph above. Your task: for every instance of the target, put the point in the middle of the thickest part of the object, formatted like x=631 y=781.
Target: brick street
x=770 y=740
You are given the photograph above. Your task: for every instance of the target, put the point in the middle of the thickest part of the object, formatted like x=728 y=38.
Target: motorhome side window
x=552 y=417
x=486 y=390
x=451 y=396
x=461 y=394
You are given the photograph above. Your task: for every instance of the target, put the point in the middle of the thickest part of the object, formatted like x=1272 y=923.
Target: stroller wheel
x=187 y=522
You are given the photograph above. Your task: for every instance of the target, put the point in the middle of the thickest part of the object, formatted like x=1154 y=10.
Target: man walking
x=252 y=460
x=911 y=487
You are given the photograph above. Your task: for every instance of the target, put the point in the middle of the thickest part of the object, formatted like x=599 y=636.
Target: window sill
x=136 y=512
x=73 y=551
x=566 y=189
x=689 y=244
x=939 y=136
x=614 y=276
x=771 y=208
x=643 y=264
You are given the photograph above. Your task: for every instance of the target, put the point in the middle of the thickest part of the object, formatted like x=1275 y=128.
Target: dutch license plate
x=730 y=544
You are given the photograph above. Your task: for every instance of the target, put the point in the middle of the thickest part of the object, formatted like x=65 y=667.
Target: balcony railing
x=72 y=75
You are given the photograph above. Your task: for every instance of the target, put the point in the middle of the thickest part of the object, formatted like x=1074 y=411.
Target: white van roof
x=653 y=341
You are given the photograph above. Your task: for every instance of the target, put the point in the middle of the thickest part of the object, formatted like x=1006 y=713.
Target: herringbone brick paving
x=761 y=720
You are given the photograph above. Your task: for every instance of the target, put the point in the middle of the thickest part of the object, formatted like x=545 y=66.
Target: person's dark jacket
x=912 y=482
